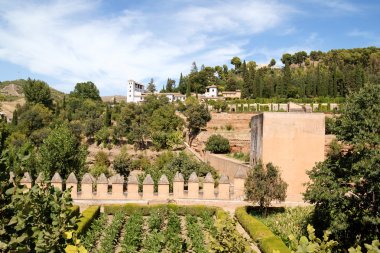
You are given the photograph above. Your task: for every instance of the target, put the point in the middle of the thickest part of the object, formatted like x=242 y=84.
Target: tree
x=107 y=117
x=37 y=220
x=62 y=152
x=218 y=144
x=300 y=57
x=264 y=185
x=236 y=62
x=122 y=163
x=345 y=188
x=197 y=117
x=245 y=91
x=15 y=118
x=286 y=59
x=34 y=117
x=151 y=86
x=170 y=85
x=194 y=68
x=163 y=124
x=188 y=90
x=37 y=92
x=86 y=90
x=272 y=63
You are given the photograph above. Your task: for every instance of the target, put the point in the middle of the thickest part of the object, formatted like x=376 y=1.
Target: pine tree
x=194 y=68
x=151 y=86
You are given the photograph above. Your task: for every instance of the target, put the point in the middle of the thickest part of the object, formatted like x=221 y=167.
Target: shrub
x=75 y=211
x=101 y=158
x=122 y=163
x=218 y=144
x=86 y=219
x=229 y=127
x=266 y=240
x=129 y=209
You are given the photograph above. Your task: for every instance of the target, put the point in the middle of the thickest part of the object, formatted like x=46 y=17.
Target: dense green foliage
x=145 y=210
x=86 y=90
x=197 y=117
x=133 y=231
x=37 y=92
x=335 y=73
x=34 y=220
x=169 y=163
x=155 y=119
x=345 y=187
x=263 y=185
x=266 y=240
x=61 y=152
x=285 y=221
x=112 y=233
x=218 y=144
x=208 y=229
x=96 y=229
x=87 y=217
x=225 y=238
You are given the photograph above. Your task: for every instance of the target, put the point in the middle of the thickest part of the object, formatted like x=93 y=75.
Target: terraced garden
x=163 y=229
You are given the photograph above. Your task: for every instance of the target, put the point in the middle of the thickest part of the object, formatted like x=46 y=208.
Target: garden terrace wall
x=113 y=188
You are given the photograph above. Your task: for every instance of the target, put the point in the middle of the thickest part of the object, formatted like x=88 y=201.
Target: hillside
x=12 y=90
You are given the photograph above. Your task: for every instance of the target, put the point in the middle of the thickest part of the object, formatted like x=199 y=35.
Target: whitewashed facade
x=135 y=92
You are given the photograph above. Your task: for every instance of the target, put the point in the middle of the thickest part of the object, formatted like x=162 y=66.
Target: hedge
x=75 y=211
x=86 y=218
x=260 y=233
x=145 y=210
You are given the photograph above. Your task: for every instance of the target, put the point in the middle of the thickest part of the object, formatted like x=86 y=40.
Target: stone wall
x=113 y=188
x=225 y=165
x=294 y=142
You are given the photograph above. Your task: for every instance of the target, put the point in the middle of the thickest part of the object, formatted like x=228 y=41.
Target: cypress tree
x=188 y=91
x=245 y=89
x=107 y=117
x=15 y=118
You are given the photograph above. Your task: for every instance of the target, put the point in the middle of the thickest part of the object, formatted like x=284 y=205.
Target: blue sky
x=109 y=42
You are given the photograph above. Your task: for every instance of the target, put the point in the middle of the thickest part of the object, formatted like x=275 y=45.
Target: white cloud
x=71 y=42
x=338 y=5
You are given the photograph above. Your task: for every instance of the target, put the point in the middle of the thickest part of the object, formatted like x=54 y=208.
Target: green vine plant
x=312 y=243
x=371 y=248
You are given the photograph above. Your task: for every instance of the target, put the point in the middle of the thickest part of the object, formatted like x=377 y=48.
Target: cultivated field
x=163 y=230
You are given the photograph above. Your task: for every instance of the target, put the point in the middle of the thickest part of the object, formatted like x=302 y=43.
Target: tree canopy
x=86 y=90
x=37 y=92
x=345 y=187
x=264 y=184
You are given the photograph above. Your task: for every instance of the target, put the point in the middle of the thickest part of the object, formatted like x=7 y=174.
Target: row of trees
x=331 y=74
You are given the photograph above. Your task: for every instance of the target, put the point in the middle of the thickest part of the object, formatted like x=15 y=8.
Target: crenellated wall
x=113 y=188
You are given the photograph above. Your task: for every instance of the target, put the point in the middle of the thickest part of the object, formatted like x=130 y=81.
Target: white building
x=174 y=96
x=211 y=91
x=135 y=92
